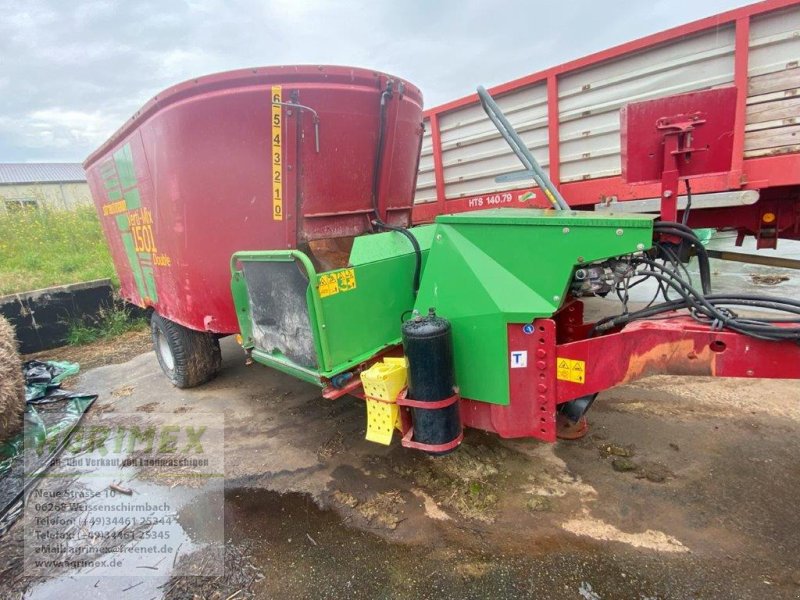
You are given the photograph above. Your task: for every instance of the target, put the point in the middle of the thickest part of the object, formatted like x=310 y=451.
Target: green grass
x=109 y=323
x=41 y=248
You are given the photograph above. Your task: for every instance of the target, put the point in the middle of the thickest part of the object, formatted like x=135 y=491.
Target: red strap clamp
x=407 y=442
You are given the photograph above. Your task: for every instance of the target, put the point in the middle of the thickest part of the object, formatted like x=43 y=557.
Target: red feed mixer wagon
x=276 y=204
x=212 y=166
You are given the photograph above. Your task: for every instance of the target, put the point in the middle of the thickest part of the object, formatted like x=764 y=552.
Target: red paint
x=740 y=80
x=756 y=173
x=202 y=154
x=675 y=346
x=759 y=173
x=403 y=400
x=697 y=128
x=438 y=169
x=616 y=51
x=672 y=346
x=677 y=137
x=407 y=442
x=532 y=390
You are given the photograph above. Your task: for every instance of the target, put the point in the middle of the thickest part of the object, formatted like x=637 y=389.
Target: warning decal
x=277 y=156
x=571 y=370
x=336 y=281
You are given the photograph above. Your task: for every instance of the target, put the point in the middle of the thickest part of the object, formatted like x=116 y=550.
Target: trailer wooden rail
x=569 y=117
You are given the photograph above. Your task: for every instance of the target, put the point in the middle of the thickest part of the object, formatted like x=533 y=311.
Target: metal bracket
x=309 y=109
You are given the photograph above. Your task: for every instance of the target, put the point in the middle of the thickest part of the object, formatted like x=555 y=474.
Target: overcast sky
x=71 y=72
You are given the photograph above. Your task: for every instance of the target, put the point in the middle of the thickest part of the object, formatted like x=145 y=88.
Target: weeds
x=107 y=324
x=41 y=248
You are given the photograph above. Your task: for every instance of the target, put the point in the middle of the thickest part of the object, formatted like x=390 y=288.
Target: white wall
x=54 y=196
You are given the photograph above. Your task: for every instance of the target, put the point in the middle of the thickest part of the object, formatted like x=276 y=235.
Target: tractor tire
x=188 y=358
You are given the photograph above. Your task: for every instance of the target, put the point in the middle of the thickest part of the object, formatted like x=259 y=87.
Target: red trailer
x=255 y=159
x=569 y=116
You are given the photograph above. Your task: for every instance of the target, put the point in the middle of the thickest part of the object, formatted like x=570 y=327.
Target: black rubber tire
x=195 y=355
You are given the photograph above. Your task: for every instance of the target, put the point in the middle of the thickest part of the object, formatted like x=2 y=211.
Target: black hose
x=712 y=309
x=414 y=243
x=687 y=235
x=688 y=208
x=376 y=175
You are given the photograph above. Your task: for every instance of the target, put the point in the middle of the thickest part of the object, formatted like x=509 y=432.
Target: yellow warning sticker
x=277 y=156
x=336 y=281
x=571 y=370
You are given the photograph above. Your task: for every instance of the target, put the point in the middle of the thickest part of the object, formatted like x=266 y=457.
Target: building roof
x=11 y=173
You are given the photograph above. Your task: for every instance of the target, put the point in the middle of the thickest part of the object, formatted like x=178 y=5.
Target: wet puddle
x=285 y=545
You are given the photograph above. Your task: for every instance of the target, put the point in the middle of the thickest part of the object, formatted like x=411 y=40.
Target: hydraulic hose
x=378 y=222
x=687 y=235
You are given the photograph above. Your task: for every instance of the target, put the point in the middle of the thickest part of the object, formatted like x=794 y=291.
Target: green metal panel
x=359 y=319
x=367 y=318
x=490 y=268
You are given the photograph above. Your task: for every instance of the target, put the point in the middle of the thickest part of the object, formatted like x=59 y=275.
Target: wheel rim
x=164 y=351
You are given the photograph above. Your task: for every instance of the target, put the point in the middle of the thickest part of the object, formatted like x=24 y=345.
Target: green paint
x=120 y=174
x=349 y=326
x=482 y=271
x=367 y=318
x=150 y=282
x=123 y=159
x=487 y=269
x=130 y=252
x=132 y=200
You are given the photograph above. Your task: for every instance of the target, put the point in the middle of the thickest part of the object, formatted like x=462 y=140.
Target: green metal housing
x=481 y=270
x=349 y=326
x=493 y=267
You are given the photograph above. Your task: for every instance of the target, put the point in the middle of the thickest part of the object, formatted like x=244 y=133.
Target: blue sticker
x=527 y=329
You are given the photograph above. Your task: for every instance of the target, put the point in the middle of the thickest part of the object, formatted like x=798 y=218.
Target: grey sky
x=72 y=72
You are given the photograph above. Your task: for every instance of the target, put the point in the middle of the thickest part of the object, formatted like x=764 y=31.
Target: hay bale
x=12 y=383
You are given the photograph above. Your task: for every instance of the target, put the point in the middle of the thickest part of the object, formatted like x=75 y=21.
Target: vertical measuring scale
x=277 y=155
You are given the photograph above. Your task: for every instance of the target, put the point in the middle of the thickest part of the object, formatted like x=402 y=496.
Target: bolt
x=565 y=230
x=749 y=372
x=620 y=232
x=668 y=194
x=640 y=246
x=542 y=388
x=556 y=298
x=541 y=353
x=438 y=237
x=324 y=326
x=580 y=259
x=541 y=365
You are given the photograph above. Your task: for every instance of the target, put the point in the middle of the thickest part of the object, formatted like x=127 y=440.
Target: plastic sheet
x=51 y=416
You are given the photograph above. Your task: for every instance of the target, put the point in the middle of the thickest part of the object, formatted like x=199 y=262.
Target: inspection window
x=21 y=204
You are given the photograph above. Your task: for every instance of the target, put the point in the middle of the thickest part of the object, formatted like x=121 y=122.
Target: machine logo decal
x=336 y=281
x=519 y=359
x=571 y=370
x=134 y=221
x=276 y=156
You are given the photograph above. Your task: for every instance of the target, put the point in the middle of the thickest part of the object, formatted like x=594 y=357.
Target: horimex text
x=162 y=440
